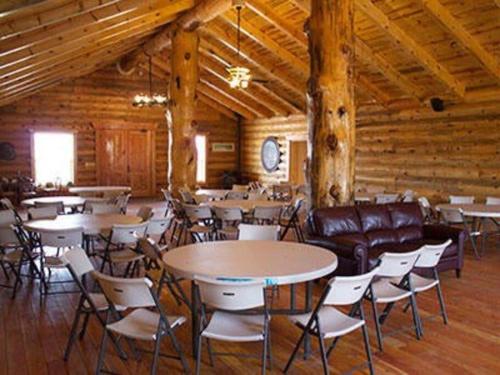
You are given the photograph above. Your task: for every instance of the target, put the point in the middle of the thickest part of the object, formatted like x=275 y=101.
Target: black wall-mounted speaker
x=437 y=105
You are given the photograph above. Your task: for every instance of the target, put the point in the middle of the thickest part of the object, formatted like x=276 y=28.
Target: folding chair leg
x=367 y=349
x=377 y=325
x=294 y=353
x=269 y=353
x=178 y=349
x=84 y=326
x=210 y=353
x=198 y=354
x=156 y=354
x=264 y=354
x=332 y=346
x=102 y=352
x=441 y=303
x=7 y=277
x=72 y=335
x=324 y=359
x=416 y=320
x=386 y=312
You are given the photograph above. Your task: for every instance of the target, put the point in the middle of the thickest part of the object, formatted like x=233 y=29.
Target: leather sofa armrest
x=343 y=248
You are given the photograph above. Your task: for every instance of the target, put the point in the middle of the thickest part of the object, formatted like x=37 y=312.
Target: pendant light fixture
x=239 y=76
x=151 y=100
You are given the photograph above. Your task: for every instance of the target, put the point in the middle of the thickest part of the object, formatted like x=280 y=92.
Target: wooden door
x=126 y=158
x=140 y=169
x=111 y=150
x=297 y=160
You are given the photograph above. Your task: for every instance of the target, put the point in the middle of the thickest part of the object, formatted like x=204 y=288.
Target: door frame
x=289 y=139
x=151 y=127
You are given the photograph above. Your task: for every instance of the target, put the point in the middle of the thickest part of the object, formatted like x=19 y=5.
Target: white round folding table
x=274 y=262
x=244 y=204
x=67 y=201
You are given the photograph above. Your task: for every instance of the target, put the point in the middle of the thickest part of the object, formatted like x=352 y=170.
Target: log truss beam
x=451 y=24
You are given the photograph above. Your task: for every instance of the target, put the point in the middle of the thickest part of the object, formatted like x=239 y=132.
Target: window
x=54 y=157
x=201 y=161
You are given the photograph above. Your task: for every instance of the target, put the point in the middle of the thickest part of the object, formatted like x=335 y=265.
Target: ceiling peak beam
x=450 y=23
x=203 y=12
x=412 y=47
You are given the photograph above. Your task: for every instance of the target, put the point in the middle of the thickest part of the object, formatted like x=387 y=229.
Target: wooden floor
x=33 y=337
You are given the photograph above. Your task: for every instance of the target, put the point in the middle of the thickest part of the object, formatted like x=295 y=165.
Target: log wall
x=433 y=155
x=104 y=97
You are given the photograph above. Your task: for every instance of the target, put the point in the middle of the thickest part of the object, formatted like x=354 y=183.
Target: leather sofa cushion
x=410 y=233
x=405 y=215
x=374 y=217
x=335 y=221
x=356 y=238
x=380 y=237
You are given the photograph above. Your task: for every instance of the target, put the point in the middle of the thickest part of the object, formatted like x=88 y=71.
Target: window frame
x=53 y=130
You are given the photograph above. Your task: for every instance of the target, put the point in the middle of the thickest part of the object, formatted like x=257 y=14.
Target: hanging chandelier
x=239 y=76
x=151 y=100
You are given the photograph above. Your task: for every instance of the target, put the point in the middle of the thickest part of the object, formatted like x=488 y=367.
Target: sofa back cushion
x=376 y=224
x=335 y=221
x=407 y=221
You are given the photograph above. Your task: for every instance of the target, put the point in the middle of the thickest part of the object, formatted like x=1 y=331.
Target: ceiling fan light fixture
x=151 y=100
x=239 y=77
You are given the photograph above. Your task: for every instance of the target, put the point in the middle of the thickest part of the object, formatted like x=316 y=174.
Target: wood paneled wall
x=104 y=97
x=434 y=155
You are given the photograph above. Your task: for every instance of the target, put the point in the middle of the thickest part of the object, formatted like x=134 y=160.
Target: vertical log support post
x=180 y=112
x=330 y=102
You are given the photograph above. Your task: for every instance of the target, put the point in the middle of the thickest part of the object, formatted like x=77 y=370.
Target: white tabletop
x=91 y=224
x=67 y=201
x=364 y=197
x=475 y=209
x=218 y=193
x=275 y=262
x=99 y=189
x=245 y=204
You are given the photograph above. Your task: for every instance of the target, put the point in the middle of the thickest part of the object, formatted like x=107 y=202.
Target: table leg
x=308 y=307
x=293 y=303
x=470 y=232
x=194 y=319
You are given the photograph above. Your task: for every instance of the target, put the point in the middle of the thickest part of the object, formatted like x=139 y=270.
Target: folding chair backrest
x=59 y=206
x=78 y=261
x=62 y=238
x=145 y=213
x=167 y=195
x=7 y=203
x=452 y=215
x=232 y=295
x=258 y=232
x=256 y=196
x=122 y=201
x=266 y=213
x=7 y=217
x=430 y=255
x=397 y=264
x=8 y=236
x=228 y=214
x=196 y=213
x=240 y=188
x=492 y=200
x=186 y=196
x=236 y=195
x=408 y=196
x=131 y=293
x=128 y=233
x=461 y=199
x=156 y=227
x=105 y=208
x=49 y=212
x=348 y=290
x=386 y=198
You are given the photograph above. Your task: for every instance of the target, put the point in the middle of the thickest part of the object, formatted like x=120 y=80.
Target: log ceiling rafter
x=450 y=23
x=203 y=12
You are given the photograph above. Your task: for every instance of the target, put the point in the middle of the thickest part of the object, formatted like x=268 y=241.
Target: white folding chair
x=326 y=322
x=227 y=322
x=492 y=201
x=59 y=206
x=101 y=208
x=200 y=222
x=455 y=216
x=383 y=291
x=429 y=259
x=228 y=221
x=408 y=196
x=266 y=215
x=89 y=303
x=11 y=250
x=258 y=232
x=386 y=198
x=41 y=213
x=426 y=209
x=121 y=247
x=7 y=204
x=122 y=202
x=257 y=196
x=157 y=229
x=146 y=322
x=236 y=195
x=461 y=199
x=186 y=196
x=289 y=219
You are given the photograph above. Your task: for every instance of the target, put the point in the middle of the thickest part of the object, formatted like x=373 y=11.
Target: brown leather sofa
x=359 y=234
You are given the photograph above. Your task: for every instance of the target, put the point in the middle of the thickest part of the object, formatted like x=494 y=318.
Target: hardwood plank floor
x=33 y=336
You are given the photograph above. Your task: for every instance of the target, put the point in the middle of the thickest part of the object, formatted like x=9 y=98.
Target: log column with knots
x=180 y=113
x=330 y=102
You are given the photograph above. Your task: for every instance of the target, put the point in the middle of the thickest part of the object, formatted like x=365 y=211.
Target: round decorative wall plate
x=7 y=151
x=270 y=154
